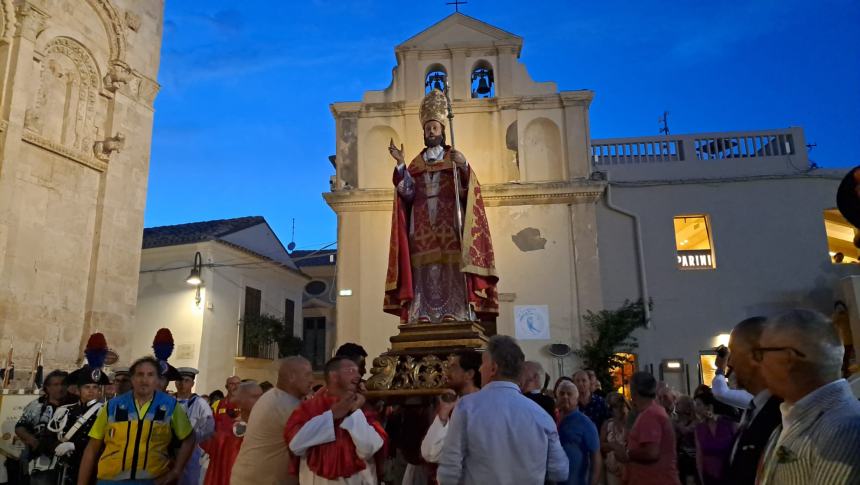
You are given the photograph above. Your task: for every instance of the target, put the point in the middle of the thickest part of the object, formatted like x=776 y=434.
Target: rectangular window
x=694 y=243
x=253 y=302
x=840 y=238
x=313 y=340
x=707 y=366
x=290 y=316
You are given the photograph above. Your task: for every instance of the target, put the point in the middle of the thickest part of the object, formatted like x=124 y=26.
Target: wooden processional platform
x=418 y=359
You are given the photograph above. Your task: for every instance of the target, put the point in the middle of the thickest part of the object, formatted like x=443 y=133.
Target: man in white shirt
x=331 y=438
x=264 y=456
x=464 y=377
x=498 y=435
x=200 y=415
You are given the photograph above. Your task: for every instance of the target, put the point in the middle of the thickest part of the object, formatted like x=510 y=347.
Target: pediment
x=458 y=30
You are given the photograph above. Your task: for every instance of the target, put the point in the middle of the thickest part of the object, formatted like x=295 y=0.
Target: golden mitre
x=434 y=107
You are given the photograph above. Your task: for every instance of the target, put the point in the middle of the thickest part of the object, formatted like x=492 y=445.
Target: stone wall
x=78 y=86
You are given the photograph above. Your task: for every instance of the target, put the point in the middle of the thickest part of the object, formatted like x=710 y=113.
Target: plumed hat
x=163 y=345
x=92 y=373
x=434 y=107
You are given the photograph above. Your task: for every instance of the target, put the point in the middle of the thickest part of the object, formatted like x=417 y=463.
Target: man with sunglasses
x=800 y=357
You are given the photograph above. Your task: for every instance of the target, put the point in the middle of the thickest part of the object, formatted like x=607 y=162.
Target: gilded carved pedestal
x=416 y=363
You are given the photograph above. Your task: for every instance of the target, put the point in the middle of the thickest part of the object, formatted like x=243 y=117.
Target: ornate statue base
x=416 y=363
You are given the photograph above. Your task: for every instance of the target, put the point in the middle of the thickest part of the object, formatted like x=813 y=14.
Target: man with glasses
x=800 y=357
x=760 y=408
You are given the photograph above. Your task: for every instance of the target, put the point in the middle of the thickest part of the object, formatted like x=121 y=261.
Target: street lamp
x=194 y=277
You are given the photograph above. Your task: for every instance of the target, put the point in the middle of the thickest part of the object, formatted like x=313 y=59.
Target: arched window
x=435 y=79
x=483 y=84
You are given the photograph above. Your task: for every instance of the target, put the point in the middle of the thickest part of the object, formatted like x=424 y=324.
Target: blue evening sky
x=242 y=123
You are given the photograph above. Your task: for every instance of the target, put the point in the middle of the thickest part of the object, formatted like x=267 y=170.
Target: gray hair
x=815 y=336
x=507 y=355
x=532 y=369
x=563 y=384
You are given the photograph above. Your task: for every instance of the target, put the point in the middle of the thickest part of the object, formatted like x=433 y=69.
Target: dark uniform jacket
x=751 y=443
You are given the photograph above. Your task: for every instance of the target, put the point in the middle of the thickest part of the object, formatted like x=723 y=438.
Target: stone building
x=319 y=315
x=528 y=144
x=245 y=272
x=713 y=227
x=78 y=85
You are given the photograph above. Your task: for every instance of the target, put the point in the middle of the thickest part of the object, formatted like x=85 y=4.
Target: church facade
x=78 y=86
x=710 y=227
x=528 y=146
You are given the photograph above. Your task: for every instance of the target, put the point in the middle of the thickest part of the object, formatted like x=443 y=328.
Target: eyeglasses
x=758 y=352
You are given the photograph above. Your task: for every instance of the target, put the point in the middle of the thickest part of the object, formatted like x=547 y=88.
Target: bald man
x=225 y=411
x=578 y=437
x=800 y=358
x=530 y=384
x=264 y=454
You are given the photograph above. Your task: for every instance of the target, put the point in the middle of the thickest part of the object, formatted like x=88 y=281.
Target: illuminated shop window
x=707 y=366
x=694 y=243
x=840 y=238
x=621 y=375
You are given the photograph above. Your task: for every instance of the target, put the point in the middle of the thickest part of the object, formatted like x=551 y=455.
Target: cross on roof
x=456 y=4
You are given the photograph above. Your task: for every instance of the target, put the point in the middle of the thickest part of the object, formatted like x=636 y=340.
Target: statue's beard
x=434 y=141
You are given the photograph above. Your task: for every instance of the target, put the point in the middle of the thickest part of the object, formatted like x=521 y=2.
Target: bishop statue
x=441 y=266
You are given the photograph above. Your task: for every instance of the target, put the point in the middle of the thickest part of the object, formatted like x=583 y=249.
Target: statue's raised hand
x=396 y=153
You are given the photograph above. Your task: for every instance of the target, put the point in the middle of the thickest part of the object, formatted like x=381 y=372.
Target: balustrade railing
x=706 y=146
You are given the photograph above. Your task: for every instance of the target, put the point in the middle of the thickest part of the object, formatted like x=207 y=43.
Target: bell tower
x=528 y=145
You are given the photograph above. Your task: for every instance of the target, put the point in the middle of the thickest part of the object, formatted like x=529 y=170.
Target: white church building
x=711 y=227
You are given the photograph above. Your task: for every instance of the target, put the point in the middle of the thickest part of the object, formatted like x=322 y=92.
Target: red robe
x=337 y=459
x=438 y=243
x=223 y=446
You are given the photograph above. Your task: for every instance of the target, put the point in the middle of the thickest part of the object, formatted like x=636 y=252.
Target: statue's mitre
x=434 y=107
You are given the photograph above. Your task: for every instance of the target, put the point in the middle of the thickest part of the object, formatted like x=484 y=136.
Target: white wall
x=166 y=300
x=770 y=251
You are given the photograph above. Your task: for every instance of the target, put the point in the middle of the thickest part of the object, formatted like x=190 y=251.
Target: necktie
x=746 y=420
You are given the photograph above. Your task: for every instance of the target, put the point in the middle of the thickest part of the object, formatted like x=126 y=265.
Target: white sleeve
x=367 y=440
x=738 y=398
x=431 y=445
x=204 y=427
x=319 y=430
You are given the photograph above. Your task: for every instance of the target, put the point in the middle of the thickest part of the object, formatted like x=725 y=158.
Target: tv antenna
x=292 y=244
x=664 y=121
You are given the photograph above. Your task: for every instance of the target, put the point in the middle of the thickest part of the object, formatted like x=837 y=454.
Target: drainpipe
x=640 y=256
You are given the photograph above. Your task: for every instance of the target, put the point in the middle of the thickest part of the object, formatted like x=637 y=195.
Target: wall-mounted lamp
x=194 y=277
x=673 y=364
x=345 y=292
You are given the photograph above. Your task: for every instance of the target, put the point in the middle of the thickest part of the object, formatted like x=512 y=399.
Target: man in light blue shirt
x=498 y=435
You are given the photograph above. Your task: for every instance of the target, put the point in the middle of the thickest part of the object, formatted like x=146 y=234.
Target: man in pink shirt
x=650 y=452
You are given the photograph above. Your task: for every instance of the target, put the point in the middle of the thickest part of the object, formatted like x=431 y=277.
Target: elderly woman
x=614 y=430
x=578 y=437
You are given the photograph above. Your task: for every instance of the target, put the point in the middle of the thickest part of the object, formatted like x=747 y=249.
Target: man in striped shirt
x=801 y=360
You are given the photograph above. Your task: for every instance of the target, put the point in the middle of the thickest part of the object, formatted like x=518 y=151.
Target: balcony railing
x=697 y=147
x=253 y=345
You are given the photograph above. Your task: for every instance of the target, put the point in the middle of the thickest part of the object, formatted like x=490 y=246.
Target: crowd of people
x=785 y=417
